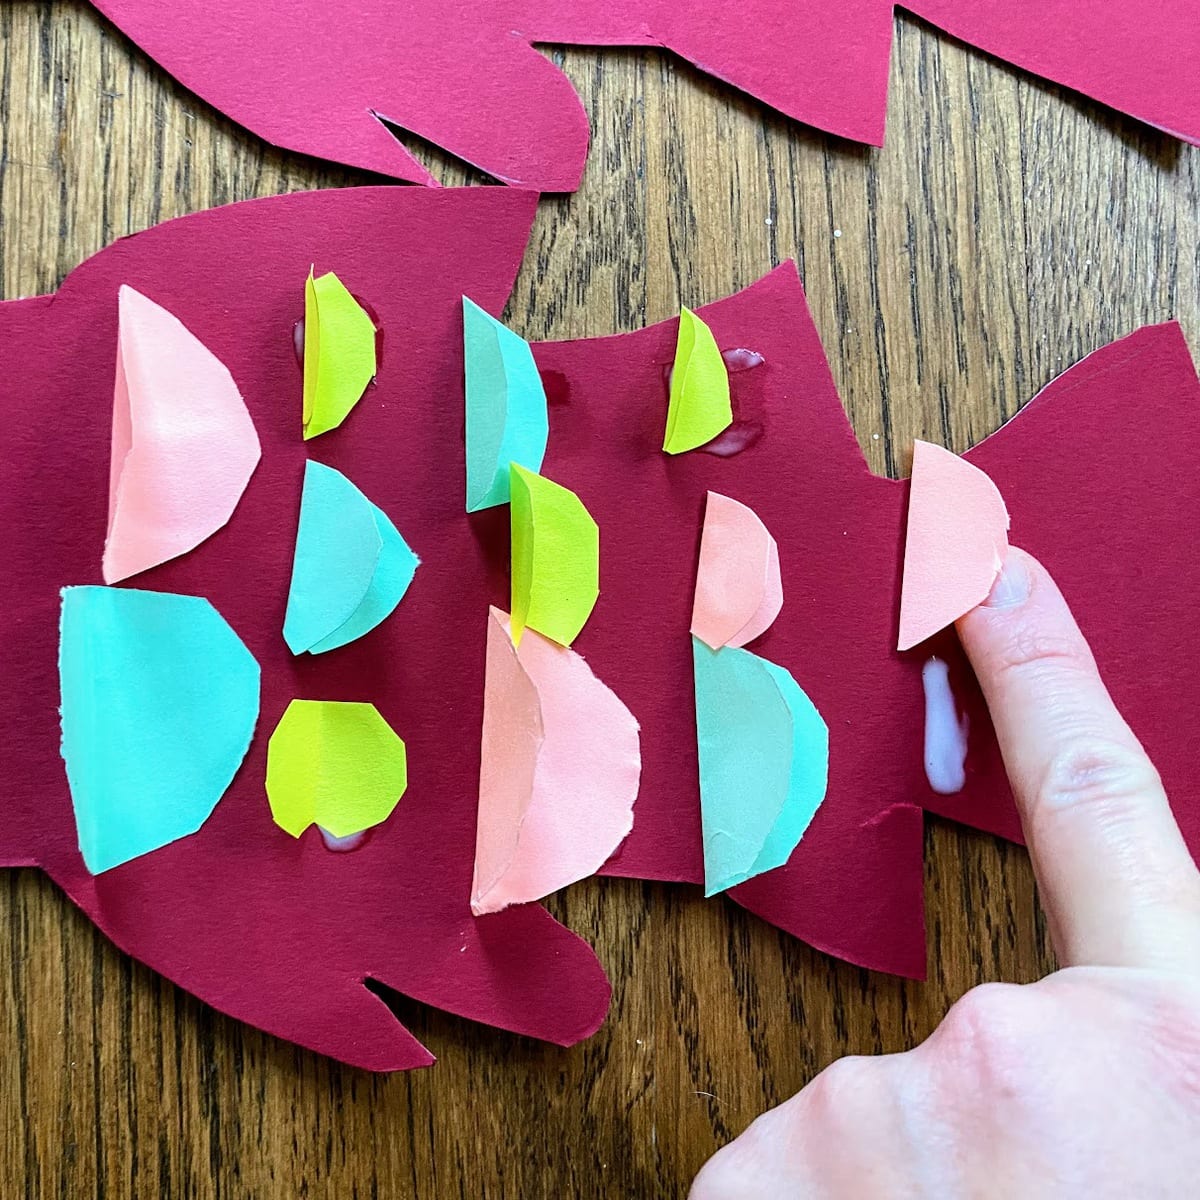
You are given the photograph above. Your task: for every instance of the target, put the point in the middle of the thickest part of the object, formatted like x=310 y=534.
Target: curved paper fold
x=559 y=772
x=339 y=353
x=555 y=558
x=351 y=567
x=506 y=407
x=337 y=765
x=183 y=444
x=739 y=589
x=159 y=702
x=957 y=539
x=699 y=406
x=764 y=763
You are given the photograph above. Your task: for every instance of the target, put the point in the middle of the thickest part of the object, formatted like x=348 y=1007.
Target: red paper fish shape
x=321 y=78
x=282 y=933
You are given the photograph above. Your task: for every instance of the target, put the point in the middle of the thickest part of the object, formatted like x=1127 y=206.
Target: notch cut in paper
x=337 y=765
x=555 y=558
x=764 y=763
x=559 y=771
x=339 y=353
x=351 y=568
x=699 y=407
x=159 y=702
x=183 y=444
x=739 y=588
x=956 y=542
x=507 y=420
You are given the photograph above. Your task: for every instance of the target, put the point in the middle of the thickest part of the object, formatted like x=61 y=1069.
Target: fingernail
x=1012 y=586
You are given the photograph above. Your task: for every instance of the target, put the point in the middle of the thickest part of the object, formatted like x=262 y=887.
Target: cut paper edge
x=183 y=443
x=105 y=725
x=739 y=587
x=580 y=763
x=808 y=778
x=351 y=568
x=786 y=724
x=955 y=546
x=395 y=569
x=699 y=407
x=506 y=414
x=555 y=570
x=348 y=338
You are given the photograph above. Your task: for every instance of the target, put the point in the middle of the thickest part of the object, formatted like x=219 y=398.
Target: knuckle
x=986 y=1036
x=1030 y=647
x=1108 y=779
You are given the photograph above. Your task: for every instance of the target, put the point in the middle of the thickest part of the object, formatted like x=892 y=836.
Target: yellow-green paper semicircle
x=555 y=558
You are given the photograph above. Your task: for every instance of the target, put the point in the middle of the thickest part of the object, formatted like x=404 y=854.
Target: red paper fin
x=844 y=886
x=1137 y=58
x=501 y=970
x=1099 y=475
x=311 y=76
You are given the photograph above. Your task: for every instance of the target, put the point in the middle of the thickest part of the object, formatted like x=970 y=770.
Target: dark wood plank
x=1006 y=229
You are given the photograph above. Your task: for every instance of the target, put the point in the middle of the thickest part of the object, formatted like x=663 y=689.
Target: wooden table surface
x=1007 y=229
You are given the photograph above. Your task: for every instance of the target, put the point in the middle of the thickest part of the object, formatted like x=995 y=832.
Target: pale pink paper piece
x=559 y=773
x=183 y=444
x=957 y=540
x=739 y=590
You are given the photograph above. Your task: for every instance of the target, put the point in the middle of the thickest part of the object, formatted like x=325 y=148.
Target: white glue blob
x=945 y=732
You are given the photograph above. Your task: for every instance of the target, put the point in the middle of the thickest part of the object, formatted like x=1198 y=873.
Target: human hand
x=1085 y=1084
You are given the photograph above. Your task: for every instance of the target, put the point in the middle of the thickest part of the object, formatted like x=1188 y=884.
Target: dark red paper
x=281 y=933
x=314 y=76
x=1096 y=475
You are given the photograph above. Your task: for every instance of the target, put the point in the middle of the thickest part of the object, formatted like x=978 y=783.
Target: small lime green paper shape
x=555 y=558
x=339 y=353
x=699 y=407
x=337 y=765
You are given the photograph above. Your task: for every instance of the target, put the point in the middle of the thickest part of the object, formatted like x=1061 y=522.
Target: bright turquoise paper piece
x=351 y=567
x=764 y=763
x=159 y=702
x=506 y=407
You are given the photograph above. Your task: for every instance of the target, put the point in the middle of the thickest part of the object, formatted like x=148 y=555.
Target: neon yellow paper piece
x=555 y=558
x=337 y=765
x=339 y=353
x=699 y=407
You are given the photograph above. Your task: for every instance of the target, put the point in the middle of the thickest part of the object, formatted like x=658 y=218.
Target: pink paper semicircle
x=183 y=444
x=739 y=589
x=957 y=539
x=559 y=772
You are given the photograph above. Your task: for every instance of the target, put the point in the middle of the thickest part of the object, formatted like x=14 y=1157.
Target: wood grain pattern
x=1007 y=229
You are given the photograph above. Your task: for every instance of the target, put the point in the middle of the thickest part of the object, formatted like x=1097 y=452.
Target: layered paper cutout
x=468 y=78
x=351 y=568
x=196 y=910
x=764 y=763
x=955 y=546
x=739 y=588
x=159 y=703
x=339 y=353
x=559 y=771
x=183 y=444
x=699 y=407
x=335 y=764
x=763 y=748
x=506 y=407
x=212 y=910
x=555 y=559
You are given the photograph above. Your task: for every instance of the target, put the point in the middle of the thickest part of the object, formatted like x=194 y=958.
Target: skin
x=1085 y=1084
